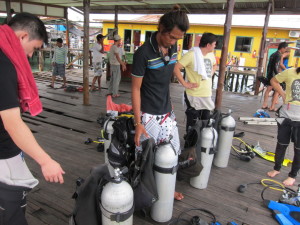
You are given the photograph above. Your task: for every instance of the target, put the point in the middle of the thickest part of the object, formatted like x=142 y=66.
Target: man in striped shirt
x=59 y=62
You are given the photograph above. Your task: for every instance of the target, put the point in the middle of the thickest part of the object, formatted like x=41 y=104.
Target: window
x=243 y=44
x=148 y=35
x=219 y=44
x=187 y=41
x=110 y=34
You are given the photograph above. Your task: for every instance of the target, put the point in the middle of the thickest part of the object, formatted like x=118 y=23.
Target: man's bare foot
x=273 y=173
x=289 y=181
x=178 y=196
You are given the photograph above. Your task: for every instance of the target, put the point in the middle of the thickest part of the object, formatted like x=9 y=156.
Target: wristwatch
x=135 y=124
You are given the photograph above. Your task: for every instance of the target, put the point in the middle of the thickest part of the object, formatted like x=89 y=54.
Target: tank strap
x=118 y=217
x=227 y=128
x=211 y=150
x=166 y=170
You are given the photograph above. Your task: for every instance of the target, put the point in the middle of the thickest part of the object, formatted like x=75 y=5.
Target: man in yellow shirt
x=200 y=65
x=288 y=122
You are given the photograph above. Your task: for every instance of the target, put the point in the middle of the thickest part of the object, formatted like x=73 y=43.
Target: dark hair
x=282 y=45
x=59 y=40
x=31 y=24
x=174 y=18
x=207 y=38
x=99 y=36
x=298 y=70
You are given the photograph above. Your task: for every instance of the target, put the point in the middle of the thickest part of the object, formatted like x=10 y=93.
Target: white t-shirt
x=112 y=57
x=97 y=55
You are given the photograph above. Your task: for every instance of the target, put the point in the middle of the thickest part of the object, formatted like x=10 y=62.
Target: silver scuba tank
x=209 y=137
x=225 y=141
x=108 y=131
x=117 y=201
x=165 y=169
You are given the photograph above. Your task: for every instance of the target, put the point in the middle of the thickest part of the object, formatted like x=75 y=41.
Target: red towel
x=27 y=90
x=110 y=105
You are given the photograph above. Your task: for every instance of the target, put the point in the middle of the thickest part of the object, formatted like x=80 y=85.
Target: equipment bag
x=142 y=177
x=87 y=209
x=121 y=150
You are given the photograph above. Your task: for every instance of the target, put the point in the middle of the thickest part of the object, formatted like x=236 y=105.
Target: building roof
x=159 y=7
x=276 y=21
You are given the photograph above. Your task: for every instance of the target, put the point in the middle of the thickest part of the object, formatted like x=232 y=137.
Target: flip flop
x=267 y=107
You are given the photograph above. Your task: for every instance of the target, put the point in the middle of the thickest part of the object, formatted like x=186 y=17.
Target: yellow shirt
x=204 y=89
x=292 y=80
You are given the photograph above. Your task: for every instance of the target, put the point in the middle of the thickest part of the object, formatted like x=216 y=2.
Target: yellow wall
x=256 y=33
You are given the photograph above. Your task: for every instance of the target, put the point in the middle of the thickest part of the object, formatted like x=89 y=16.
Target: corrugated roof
x=276 y=21
x=160 y=7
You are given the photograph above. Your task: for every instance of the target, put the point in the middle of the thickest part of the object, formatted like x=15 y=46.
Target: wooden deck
x=65 y=124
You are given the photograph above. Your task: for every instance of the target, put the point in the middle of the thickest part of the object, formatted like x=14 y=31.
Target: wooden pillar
x=222 y=68
x=262 y=49
x=86 y=6
x=8 y=10
x=67 y=27
x=116 y=19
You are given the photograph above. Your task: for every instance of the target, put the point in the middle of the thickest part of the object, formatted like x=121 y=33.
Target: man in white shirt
x=97 y=51
x=115 y=71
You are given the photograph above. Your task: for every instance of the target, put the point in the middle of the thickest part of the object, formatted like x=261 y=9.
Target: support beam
x=67 y=28
x=227 y=28
x=116 y=19
x=86 y=41
x=8 y=10
x=262 y=49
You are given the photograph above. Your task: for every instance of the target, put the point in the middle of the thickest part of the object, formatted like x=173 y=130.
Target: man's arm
x=136 y=106
x=177 y=72
x=120 y=61
x=23 y=138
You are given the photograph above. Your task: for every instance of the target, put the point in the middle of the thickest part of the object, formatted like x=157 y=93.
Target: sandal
x=50 y=85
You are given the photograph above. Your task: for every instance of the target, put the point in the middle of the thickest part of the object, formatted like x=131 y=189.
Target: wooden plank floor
x=66 y=123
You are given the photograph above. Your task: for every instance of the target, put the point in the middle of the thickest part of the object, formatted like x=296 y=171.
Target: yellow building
x=244 y=41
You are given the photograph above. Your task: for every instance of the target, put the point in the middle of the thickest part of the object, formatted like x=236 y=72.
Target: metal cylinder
x=165 y=169
x=108 y=131
x=225 y=141
x=209 y=137
x=117 y=199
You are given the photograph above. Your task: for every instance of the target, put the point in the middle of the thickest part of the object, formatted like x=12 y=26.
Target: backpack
x=189 y=161
x=142 y=177
x=87 y=209
x=121 y=150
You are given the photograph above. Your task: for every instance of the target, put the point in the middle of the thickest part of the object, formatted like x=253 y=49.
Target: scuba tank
x=226 y=133
x=117 y=201
x=165 y=169
x=207 y=146
x=108 y=131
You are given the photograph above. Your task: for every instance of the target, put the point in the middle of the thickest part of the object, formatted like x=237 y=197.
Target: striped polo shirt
x=156 y=71
x=60 y=55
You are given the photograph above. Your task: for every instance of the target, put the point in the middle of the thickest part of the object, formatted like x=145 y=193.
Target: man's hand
x=52 y=171
x=139 y=130
x=189 y=85
x=123 y=66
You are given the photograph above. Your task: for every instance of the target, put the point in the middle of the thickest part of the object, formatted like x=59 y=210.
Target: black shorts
x=289 y=131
